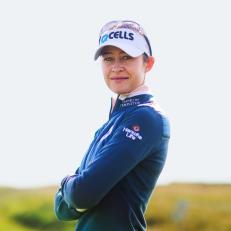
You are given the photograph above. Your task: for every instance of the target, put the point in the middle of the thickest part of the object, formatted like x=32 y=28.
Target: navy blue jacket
x=119 y=171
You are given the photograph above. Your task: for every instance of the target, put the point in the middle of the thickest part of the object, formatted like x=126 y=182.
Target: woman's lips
x=118 y=78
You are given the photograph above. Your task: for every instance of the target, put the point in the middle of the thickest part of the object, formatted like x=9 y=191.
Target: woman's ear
x=150 y=63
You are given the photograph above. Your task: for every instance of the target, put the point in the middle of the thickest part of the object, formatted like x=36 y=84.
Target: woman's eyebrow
x=106 y=53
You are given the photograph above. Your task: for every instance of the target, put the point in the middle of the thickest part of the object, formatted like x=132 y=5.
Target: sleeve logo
x=133 y=134
x=136 y=128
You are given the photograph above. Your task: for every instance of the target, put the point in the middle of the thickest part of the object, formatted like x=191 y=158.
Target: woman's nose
x=117 y=66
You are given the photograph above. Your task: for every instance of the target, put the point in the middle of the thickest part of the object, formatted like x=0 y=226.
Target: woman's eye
x=126 y=57
x=107 y=59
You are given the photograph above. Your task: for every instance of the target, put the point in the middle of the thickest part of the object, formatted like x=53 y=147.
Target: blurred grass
x=190 y=207
x=174 y=207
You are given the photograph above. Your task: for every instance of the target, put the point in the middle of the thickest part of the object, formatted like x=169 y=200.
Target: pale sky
x=53 y=98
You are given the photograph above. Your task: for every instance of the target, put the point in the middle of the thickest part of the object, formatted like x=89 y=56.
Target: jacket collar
x=141 y=95
x=143 y=89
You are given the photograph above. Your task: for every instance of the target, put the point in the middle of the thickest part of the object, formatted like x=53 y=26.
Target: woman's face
x=123 y=73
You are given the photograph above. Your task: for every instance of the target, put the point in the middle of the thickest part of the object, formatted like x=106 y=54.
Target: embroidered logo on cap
x=117 y=35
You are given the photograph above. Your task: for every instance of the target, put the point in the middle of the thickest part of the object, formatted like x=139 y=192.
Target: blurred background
x=53 y=98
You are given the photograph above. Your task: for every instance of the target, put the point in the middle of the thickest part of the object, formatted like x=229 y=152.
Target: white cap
x=132 y=43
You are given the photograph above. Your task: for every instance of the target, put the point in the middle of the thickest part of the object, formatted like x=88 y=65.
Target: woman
x=111 y=188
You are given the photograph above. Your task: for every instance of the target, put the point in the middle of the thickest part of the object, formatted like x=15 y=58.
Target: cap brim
x=129 y=49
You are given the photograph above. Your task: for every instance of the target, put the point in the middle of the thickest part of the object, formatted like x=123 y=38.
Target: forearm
x=84 y=191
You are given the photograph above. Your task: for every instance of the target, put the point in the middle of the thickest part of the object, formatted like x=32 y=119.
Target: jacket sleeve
x=128 y=144
x=62 y=210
